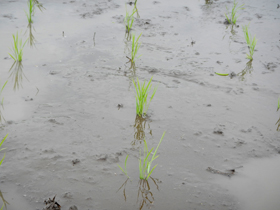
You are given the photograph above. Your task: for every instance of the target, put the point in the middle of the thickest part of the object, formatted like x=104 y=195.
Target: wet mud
x=69 y=106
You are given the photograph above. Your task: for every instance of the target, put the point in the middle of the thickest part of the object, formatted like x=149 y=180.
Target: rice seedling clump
x=17 y=48
x=232 y=17
x=251 y=42
x=141 y=96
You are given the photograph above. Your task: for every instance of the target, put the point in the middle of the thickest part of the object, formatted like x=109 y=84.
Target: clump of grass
x=251 y=42
x=125 y=170
x=128 y=20
x=145 y=164
x=3 y=148
x=30 y=12
x=232 y=18
x=141 y=96
x=135 y=47
x=17 y=48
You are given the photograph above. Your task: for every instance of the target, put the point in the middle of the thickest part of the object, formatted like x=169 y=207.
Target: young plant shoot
x=251 y=42
x=141 y=96
x=3 y=148
x=232 y=17
x=17 y=48
x=125 y=170
x=134 y=48
x=128 y=20
x=30 y=12
x=145 y=164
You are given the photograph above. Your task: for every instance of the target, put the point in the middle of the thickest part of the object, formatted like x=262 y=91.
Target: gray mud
x=71 y=118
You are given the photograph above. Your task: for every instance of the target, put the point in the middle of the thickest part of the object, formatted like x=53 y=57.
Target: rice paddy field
x=70 y=110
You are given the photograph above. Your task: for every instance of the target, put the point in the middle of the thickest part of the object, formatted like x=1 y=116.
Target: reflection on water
x=16 y=73
x=145 y=196
x=123 y=186
x=1 y=103
x=31 y=40
x=4 y=201
x=278 y=126
x=247 y=70
x=139 y=129
x=39 y=5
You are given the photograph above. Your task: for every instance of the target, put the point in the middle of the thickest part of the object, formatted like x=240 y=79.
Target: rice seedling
x=145 y=169
x=232 y=18
x=278 y=107
x=141 y=96
x=30 y=12
x=135 y=47
x=128 y=20
x=3 y=148
x=251 y=42
x=17 y=48
x=125 y=170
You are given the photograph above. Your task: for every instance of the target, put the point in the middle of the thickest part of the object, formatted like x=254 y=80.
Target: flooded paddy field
x=70 y=109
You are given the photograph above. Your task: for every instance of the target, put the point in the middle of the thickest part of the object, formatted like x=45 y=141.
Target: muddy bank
x=67 y=132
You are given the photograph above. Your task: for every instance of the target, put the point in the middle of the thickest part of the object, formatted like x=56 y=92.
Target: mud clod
x=73 y=208
x=74 y=162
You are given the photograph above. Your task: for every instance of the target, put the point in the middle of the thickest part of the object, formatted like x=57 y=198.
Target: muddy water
x=65 y=108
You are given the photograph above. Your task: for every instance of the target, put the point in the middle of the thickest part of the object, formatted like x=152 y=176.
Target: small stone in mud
x=197 y=53
x=120 y=106
x=102 y=158
x=73 y=208
x=218 y=131
x=75 y=161
x=209 y=105
x=68 y=195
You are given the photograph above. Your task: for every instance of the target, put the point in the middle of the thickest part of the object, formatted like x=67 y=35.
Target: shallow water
x=67 y=106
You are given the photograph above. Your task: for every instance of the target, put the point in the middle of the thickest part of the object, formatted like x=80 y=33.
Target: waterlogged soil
x=70 y=107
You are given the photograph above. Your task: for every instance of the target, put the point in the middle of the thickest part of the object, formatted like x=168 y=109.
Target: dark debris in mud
x=51 y=204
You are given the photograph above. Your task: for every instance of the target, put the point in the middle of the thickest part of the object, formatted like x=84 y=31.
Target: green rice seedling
x=231 y=18
x=3 y=148
x=135 y=47
x=251 y=42
x=278 y=107
x=125 y=170
x=30 y=12
x=128 y=20
x=145 y=165
x=17 y=48
x=141 y=96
